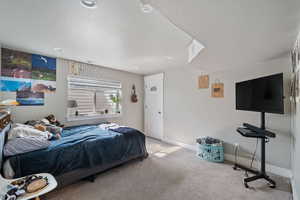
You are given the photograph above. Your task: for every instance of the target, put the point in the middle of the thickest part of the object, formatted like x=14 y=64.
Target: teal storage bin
x=211 y=152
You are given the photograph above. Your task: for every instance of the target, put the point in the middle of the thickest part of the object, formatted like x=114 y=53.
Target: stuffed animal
x=52 y=120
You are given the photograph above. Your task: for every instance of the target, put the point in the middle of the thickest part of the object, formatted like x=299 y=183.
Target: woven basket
x=211 y=152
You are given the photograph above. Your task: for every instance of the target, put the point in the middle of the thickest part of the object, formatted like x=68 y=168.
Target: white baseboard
x=295 y=195
x=244 y=161
x=186 y=146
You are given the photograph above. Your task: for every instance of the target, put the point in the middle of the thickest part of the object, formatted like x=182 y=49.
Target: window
x=94 y=97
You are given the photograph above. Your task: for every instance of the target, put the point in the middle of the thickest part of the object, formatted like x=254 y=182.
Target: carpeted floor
x=172 y=173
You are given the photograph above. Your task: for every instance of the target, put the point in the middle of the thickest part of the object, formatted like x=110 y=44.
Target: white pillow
x=21 y=131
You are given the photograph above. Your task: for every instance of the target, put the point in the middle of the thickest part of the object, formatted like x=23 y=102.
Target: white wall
x=191 y=112
x=56 y=103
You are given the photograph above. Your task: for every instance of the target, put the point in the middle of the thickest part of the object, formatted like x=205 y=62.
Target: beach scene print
x=14 y=85
x=29 y=98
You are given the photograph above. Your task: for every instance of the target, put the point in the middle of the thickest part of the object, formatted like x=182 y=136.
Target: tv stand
x=263 y=134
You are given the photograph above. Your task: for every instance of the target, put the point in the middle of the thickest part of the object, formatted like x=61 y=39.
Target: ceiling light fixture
x=91 y=4
x=169 y=57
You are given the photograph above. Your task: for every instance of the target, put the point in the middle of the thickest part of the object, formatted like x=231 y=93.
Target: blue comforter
x=81 y=147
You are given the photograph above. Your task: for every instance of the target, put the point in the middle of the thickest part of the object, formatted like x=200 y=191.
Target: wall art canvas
x=15 y=64
x=29 y=98
x=43 y=68
x=13 y=85
x=43 y=86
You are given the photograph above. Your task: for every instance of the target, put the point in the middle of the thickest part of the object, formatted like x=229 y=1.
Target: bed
x=81 y=152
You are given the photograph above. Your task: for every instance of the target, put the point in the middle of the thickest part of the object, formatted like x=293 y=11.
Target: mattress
x=80 y=147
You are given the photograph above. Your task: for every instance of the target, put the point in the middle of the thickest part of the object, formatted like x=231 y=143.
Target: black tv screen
x=263 y=94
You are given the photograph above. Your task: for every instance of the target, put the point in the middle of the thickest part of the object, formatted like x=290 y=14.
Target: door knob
x=159 y=112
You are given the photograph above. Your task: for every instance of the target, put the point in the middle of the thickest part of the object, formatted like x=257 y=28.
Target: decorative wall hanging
x=28 y=75
x=203 y=81
x=217 y=90
x=134 y=97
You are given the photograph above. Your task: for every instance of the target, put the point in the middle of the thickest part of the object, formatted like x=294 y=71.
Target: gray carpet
x=172 y=173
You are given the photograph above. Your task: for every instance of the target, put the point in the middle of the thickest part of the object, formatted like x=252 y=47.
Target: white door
x=154 y=105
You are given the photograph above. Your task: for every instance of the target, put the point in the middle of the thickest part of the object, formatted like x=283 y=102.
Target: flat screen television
x=263 y=94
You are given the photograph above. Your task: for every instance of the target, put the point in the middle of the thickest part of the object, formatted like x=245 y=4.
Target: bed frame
x=70 y=177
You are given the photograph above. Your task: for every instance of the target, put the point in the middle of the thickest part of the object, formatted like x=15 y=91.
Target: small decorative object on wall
x=134 y=97
x=28 y=98
x=203 y=81
x=217 y=89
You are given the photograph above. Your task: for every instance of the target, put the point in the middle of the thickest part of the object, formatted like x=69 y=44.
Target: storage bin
x=211 y=152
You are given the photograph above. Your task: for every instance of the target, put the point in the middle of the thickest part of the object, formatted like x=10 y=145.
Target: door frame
x=162 y=75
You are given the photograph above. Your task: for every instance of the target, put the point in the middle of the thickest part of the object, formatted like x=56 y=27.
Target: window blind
x=95 y=97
